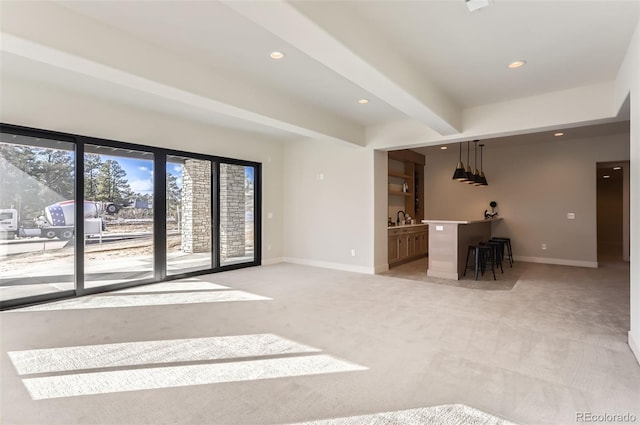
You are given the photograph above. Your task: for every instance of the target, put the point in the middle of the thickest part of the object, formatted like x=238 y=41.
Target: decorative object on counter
x=489 y=215
x=482 y=180
x=493 y=213
x=459 y=174
x=389 y=223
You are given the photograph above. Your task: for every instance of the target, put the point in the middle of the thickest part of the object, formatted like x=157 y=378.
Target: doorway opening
x=613 y=211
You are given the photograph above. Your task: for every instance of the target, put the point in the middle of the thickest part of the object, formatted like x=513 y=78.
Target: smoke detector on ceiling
x=474 y=5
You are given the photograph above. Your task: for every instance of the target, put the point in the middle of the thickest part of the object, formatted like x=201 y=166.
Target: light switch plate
x=571 y=216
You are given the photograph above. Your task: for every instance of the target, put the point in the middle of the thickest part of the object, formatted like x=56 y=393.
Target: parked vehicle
x=58 y=221
x=8 y=223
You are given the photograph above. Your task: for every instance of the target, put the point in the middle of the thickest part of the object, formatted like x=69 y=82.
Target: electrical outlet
x=269 y=247
x=270 y=215
x=544 y=246
x=571 y=216
x=353 y=252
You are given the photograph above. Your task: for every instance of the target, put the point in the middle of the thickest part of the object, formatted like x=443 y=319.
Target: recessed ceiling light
x=517 y=64
x=443 y=148
x=617 y=168
x=363 y=101
x=276 y=55
x=606 y=177
x=558 y=134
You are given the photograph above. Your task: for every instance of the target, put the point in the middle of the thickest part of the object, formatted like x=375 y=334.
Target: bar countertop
x=460 y=221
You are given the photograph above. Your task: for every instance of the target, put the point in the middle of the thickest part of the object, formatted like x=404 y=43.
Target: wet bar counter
x=448 y=242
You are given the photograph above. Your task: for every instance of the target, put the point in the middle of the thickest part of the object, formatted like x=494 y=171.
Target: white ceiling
x=566 y=43
x=211 y=33
x=422 y=60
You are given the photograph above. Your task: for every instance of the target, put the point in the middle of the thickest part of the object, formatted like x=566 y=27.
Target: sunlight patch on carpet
x=179 y=376
x=85 y=357
x=448 y=414
x=141 y=300
x=173 y=286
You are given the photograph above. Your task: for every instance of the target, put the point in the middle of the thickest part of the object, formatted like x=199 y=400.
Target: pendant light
x=459 y=174
x=468 y=173
x=475 y=178
x=483 y=180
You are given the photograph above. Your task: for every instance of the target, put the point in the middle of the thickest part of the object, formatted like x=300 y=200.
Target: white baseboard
x=635 y=348
x=271 y=261
x=558 y=261
x=330 y=265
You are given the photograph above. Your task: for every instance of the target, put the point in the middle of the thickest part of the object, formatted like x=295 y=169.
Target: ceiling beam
x=51 y=34
x=354 y=51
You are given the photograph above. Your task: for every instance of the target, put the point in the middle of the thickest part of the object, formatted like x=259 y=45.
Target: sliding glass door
x=237 y=214
x=147 y=214
x=189 y=215
x=118 y=201
x=37 y=213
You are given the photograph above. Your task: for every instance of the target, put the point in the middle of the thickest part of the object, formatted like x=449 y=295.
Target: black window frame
x=159 y=212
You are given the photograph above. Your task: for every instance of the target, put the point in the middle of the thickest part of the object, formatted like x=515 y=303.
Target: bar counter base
x=448 y=243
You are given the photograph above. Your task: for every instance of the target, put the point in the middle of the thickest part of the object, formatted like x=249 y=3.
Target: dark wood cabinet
x=408 y=243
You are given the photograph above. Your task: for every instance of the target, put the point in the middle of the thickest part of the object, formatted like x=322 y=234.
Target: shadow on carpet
x=448 y=414
x=417 y=270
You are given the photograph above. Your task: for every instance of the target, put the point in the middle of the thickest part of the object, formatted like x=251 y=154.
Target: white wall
x=328 y=205
x=53 y=108
x=628 y=83
x=535 y=185
x=381 y=196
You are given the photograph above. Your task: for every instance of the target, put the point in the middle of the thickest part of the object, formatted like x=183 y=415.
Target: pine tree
x=174 y=193
x=32 y=178
x=112 y=185
x=55 y=172
x=92 y=166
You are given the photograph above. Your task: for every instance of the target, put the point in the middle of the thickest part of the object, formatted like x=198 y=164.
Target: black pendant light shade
x=459 y=174
x=482 y=181
x=475 y=177
x=468 y=172
x=466 y=175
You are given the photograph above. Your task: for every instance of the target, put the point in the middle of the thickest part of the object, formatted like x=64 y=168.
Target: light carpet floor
x=505 y=278
x=304 y=344
x=452 y=414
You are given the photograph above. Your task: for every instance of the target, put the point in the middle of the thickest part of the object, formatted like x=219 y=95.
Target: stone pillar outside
x=196 y=206
x=232 y=211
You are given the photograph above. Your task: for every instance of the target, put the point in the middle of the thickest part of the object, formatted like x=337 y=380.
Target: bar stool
x=482 y=255
x=498 y=252
x=507 y=242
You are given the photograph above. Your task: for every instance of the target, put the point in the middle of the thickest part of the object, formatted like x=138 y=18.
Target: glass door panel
x=119 y=236
x=188 y=215
x=37 y=214
x=237 y=203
